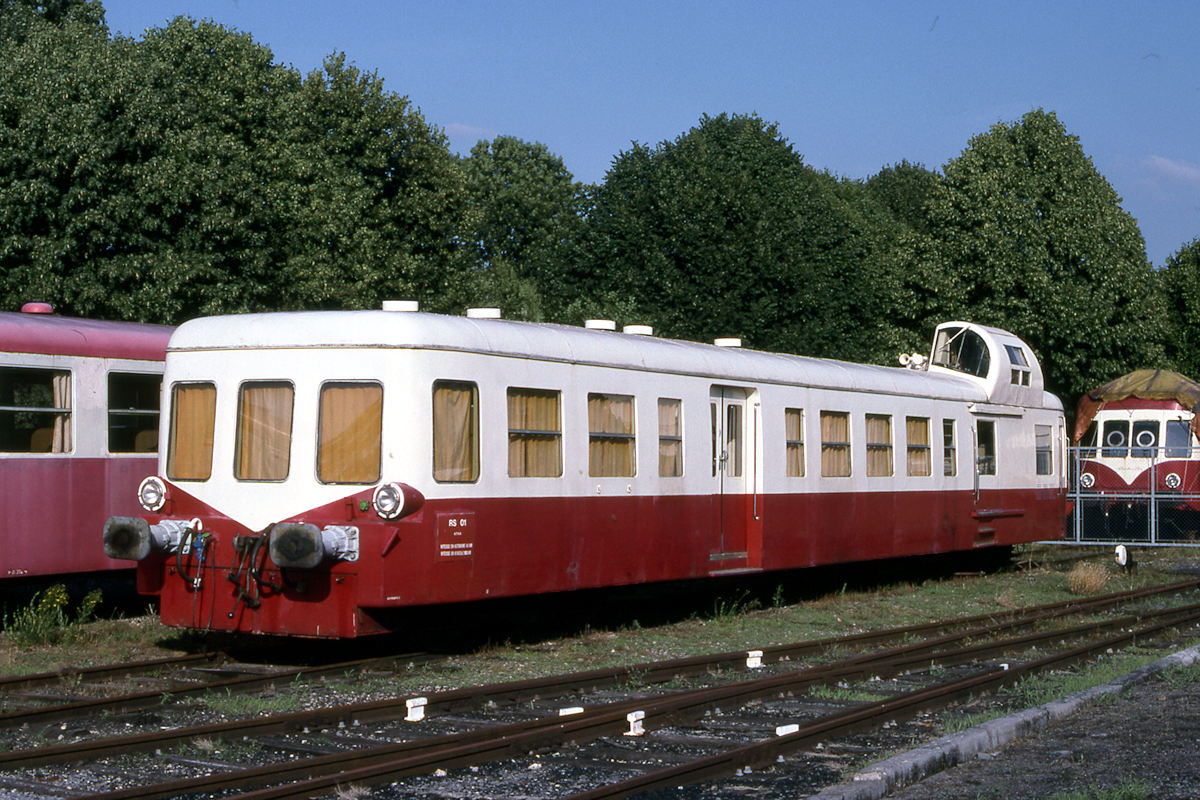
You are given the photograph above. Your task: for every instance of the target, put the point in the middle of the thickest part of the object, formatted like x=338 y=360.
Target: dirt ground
x=1147 y=736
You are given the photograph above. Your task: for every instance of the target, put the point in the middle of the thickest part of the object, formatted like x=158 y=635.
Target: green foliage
x=1024 y=234
x=526 y=219
x=1180 y=284
x=726 y=231
x=46 y=621
x=189 y=174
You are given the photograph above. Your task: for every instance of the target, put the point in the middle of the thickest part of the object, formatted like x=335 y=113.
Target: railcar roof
x=71 y=336
x=558 y=343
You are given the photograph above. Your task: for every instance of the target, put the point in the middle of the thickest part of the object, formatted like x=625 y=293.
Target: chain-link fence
x=1148 y=496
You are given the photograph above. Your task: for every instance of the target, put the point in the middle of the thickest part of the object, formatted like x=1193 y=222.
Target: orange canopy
x=1145 y=384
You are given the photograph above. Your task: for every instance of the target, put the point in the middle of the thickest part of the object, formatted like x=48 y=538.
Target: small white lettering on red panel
x=455 y=536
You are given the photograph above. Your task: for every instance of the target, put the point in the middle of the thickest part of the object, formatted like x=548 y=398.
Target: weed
x=1127 y=789
x=352 y=792
x=1086 y=578
x=46 y=621
x=250 y=705
x=724 y=608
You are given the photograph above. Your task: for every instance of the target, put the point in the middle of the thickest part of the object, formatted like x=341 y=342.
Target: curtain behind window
x=670 y=439
x=794 y=434
x=835 y=444
x=610 y=436
x=349 y=438
x=920 y=460
x=193 y=417
x=455 y=432
x=264 y=431
x=879 y=445
x=534 y=435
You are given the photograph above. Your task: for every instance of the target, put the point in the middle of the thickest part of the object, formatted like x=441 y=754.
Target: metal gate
x=1146 y=513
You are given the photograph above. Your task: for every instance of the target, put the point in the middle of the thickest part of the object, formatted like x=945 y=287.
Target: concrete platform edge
x=910 y=767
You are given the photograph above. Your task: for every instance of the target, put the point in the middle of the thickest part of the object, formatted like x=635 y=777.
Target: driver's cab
x=1005 y=365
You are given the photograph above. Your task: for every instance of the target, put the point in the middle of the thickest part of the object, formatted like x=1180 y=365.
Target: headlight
x=1087 y=480
x=1173 y=480
x=396 y=500
x=388 y=500
x=152 y=493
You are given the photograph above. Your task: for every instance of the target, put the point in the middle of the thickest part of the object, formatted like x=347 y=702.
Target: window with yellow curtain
x=879 y=445
x=920 y=455
x=455 y=432
x=835 y=444
x=193 y=419
x=670 y=438
x=264 y=431
x=534 y=434
x=350 y=432
x=611 y=443
x=793 y=419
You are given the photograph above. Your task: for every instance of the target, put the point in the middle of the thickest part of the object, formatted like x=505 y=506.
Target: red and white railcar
x=318 y=469
x=78 y=430
x=1138 y=436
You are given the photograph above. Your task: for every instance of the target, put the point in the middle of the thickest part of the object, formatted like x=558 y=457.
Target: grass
x=46 y=619
x=1127 y=789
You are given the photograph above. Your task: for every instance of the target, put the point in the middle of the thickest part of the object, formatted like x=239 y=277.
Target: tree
x=1025 y=234
x=527 y=223
x=725 y=231
x=383 y=202
x=1180 y=283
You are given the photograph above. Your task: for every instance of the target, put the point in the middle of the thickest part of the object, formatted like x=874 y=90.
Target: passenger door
x=735 y=422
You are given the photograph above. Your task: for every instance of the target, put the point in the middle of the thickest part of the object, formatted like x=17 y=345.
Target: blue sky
x=854 y=86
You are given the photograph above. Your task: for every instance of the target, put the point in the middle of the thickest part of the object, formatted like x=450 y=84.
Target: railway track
x=478 y=728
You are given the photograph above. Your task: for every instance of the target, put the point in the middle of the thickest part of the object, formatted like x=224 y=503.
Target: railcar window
x=879 y=445
x=611 y=441
x=349 y=432
x=733 y=441
x=962 y=350
x=920 y=454
x=1145 y=438
x=455 y=432
x=716 y=444
x=35 y=410
x=949 y=450
x=985 y=457
x=835 y=444
x=534 y=434
x=1179 y=438
x=1044 y=449
x=264 y=431
x=133 y=405
x=793 y=419
x=190 y=441
x=1116 y=439
x=670 y=438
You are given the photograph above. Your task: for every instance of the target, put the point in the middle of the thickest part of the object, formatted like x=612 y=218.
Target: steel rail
x=137 y=700
x=668 y=709
x=12 y=683
x=519 y=691
x=397 y=760
x=866 y=716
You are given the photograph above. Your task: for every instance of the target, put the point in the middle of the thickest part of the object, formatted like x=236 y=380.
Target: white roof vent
x=638 y=330
x=729 y=341
x=600 y=324
x=401 y=305
x=483 y=313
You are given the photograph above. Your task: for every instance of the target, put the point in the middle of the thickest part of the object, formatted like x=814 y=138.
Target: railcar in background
x=1137 y=439
x=79 y=406
x=320 y=469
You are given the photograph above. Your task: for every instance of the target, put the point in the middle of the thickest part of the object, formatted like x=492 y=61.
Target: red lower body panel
x=53 y=507
x=462 y=550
